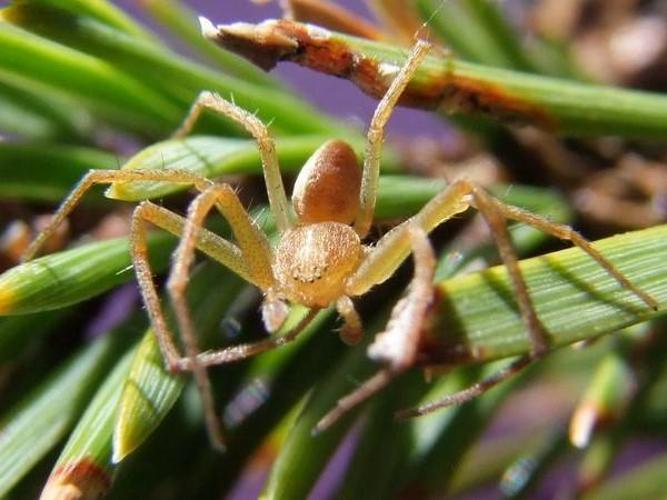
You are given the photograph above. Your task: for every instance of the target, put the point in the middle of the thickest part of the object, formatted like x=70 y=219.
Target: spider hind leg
x=471 y=392
x=495 y=212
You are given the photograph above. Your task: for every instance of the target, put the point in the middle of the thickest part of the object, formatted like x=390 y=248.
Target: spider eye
x=327 y=188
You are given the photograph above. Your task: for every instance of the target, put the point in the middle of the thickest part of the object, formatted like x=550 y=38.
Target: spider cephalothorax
x=319 y=259
x=312 y=262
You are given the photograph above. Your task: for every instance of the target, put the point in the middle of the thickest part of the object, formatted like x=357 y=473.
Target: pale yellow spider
x=320 y=259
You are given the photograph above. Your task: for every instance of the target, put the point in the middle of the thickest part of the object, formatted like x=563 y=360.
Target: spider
x=320 y=258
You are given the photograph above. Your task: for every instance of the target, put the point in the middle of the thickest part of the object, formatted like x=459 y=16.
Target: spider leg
x=352 y=330
x=374 y=384
x=216 y=247
x=267 y=149
x=252 y=260
x=210 y=243
x=564 y=232
x=471 y=392
x=397 y=345
x=240 y=352
x=193 y=235
x=256 y=256
x=372 y=156
x=169 y=350
x=495 y=219
x=106 y=177
x=394 y=247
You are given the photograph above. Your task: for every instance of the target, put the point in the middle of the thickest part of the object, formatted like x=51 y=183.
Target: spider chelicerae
x=320 y=258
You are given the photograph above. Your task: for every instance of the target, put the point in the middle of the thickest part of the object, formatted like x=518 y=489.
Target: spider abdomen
x=327 y=188
x=312 y=262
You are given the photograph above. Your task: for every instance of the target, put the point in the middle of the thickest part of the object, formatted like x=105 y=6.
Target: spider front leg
x=255 y=257
x=139 y=250
x=398 y=344
x=211 y=244
x=394 y=247
x=375 y=137
x=256 y=254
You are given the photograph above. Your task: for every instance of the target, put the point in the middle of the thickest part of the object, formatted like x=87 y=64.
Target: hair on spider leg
x=125 y=269
x=425 y=27
x=237 y=190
